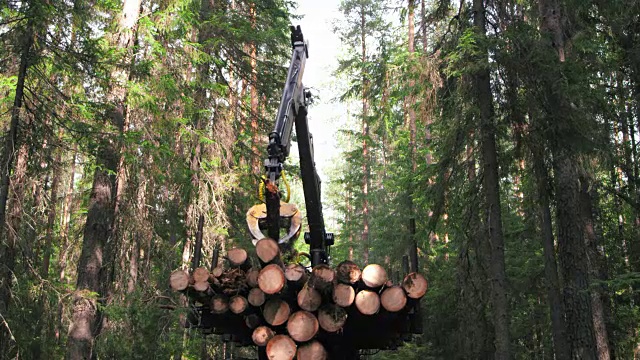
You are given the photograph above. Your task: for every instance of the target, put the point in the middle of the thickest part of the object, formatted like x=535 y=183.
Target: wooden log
x=415 y=285
x=367 y=302
x=313 y=350
x=179 y=280
x=252 y=321
x=343 y=295
x=252 y=277
x=374 y=276
x=219 y=304
x=348 y=272
x=203 y=287
x=200 y=275
x=332 y=318
x=302 y=326
x=393 y=299
x=281 y=347
x=238 y=304
x=256 y=297
x=322 y=278
x=217 y=272
x=295 y=274
x=268 y=251
x=237 y=257
x=271 y=279
x=309 y=299
x=261 y=335
x=276 y=312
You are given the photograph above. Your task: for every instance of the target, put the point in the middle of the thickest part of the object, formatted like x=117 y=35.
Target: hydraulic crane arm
x=293 y=109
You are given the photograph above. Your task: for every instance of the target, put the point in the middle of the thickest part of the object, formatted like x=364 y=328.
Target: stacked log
x=288 y=309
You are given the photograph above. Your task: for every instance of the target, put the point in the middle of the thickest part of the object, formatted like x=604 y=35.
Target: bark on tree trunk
x=51 y=215
x=365 y=149
x=7 y=243
x=556 y=306
x=97 y=257
x=491 y=183
x=570 y=224
x=66 y=217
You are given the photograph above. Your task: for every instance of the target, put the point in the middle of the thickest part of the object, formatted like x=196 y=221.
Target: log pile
x=291 y=311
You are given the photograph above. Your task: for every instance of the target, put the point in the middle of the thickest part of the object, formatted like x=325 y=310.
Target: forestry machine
x=361 y=333
x=292 y=110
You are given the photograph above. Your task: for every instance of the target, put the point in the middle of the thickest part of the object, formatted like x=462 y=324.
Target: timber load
x=289 y=310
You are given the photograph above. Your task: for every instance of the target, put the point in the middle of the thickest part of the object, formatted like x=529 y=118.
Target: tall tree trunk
x=597 y=292
x=7 y=243
x=571 y=236
x=491 y=184
x=255 y=156
x=556 y=306
x=365 y=135
x=473 y=330
x=65 y=223
x=413 y=247
x=97 y=254
x=51 y=211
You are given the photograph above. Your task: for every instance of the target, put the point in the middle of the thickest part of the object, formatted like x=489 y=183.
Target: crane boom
x=293 y=110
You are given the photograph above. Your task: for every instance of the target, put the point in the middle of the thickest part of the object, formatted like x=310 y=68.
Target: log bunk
x=287 y=310
x=266 y=297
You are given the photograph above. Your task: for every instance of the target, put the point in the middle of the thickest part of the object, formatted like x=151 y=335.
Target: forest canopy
x=493 y=143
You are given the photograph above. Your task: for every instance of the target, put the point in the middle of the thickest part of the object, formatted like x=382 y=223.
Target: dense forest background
x=495 y=142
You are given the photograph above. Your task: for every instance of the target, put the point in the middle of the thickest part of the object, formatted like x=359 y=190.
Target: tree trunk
x=51 y=212
x=410 y=102
x=556 y=306
x=365 y=149
x=597 y=292
x=67 y=210
x=97 y=254
x=570 y=224
x=255 y=156
x=491 y=184
x=7 y=243
x=573 y=258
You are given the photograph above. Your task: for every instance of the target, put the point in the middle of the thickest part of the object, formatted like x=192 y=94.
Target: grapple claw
x=289 y=214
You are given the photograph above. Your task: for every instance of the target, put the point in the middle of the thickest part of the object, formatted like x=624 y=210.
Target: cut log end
x=295 y=273
x=281 y=347
x=302 y=326
x=313 y=350
x=332 y=318
x=201 y=286
x=374 y=276
x=415 y=285
x=367 y=302
x=219 y=305
x=256 y=297
x=276 y=312
x=271 y=279
x=393 y=299
x=237 y=257
x=348 y=272
x=252 y=277
x=261 y=335
x=322 y=278
x=238 y=304
x=268 y=250
x=179 y=280
x=200 y=275
x=343 y=295
x=217 y=272
x=309 y=299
